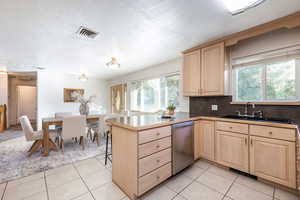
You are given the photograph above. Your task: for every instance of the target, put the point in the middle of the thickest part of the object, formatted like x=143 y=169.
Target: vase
x=84 y=109
x=171 y=112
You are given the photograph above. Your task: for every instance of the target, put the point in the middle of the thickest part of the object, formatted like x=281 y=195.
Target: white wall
x=51 y=93
x=166 y=68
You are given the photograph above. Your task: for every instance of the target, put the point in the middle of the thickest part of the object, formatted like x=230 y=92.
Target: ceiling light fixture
x=239 y=6
x=83 y=78
x=113 y=64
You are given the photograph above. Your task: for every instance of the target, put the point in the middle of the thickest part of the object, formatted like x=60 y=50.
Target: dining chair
x=73 y=127
x=36 y=136
x=96 y=129
x=62 y=114
x=58 y=128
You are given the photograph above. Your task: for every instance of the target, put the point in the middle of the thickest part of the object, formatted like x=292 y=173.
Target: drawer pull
x=157 y=146
x=157 y=160
x=158 y=134
x=270 y=132
x=230 y=127
x=157 y=177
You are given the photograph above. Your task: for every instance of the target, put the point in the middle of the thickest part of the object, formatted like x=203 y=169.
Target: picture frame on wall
x=68 y=97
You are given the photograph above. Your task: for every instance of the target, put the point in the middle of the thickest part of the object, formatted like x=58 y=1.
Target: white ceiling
x=139 y=33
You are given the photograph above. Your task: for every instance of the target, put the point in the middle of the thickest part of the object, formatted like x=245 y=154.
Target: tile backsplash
x=203 y=106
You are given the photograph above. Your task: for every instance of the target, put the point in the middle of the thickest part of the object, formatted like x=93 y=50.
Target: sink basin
x=264 y=119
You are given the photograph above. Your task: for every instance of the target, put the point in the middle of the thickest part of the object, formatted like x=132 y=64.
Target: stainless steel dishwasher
x=182 y=145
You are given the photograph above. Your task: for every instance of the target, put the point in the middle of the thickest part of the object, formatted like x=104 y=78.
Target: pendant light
x=83 y=78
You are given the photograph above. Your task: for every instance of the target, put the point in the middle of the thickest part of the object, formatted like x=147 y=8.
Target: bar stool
x=108 y=135
x=108 y=154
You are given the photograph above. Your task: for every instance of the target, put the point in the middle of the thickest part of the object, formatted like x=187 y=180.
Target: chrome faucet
x=246 y=109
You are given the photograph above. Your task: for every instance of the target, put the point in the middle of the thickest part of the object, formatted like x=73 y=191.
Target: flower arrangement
x=84 y=102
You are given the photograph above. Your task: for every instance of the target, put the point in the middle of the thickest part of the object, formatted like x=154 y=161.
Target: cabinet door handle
x=246 y=141
x=157 y=160
x=157 y=177
x=251 y=142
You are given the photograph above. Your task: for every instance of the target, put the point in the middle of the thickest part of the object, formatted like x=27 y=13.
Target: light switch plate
x=214 y=107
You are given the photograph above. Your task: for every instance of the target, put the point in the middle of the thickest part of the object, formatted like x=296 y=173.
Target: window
x=154 y=94
x=273 y=81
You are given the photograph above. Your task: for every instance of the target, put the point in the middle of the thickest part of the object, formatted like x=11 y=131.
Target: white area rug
x=14 y=162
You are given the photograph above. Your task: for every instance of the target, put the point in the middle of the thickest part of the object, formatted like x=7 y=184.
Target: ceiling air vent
x=87 y=33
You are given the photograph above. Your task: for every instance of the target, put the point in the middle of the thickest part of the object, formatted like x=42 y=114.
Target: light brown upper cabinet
x=212 y=70
x=273 y=160
x=191 y=73
x=232 y=150
x=203 y=71
x=204 y=141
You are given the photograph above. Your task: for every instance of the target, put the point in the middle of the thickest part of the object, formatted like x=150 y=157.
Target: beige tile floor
x=91 y=180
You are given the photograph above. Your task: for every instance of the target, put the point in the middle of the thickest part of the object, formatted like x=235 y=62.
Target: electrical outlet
x=214 y=107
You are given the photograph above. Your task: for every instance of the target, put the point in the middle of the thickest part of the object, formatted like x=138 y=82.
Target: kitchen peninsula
x=142 y=149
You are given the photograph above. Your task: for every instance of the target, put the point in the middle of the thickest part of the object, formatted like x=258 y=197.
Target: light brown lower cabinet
x=273 y=160
x=205 y=139
x=154 y=178
x=232 y=150
x=196 y=140
x=142 y=159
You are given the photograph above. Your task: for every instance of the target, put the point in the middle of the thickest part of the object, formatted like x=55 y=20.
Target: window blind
x=287 y=53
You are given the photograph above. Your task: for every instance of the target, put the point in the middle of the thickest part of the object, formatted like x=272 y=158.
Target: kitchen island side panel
x=124 y=160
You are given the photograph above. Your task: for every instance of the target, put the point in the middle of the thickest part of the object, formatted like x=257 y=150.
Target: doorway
x=26 y=102
x=22 y=98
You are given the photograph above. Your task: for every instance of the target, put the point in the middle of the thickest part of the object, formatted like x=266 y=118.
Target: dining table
x=50 y=121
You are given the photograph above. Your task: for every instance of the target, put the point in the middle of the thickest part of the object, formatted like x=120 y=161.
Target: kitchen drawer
x=154 y=134
x=154 y=161
x=154 y=146
x=273 y=132
x=154 y=178
x=232 y=127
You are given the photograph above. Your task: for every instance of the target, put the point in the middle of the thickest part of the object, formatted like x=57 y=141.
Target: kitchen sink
x=263 y=119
